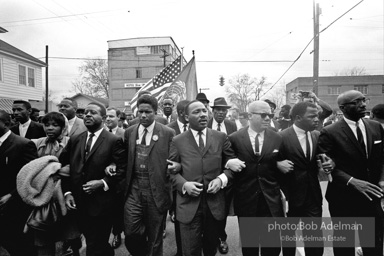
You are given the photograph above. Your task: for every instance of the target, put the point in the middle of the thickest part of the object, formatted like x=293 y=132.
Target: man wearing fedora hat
x=220 y=123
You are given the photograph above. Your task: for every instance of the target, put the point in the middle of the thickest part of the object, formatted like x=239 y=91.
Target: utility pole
x=316 y=16
x=46 y=80
x=165 y=55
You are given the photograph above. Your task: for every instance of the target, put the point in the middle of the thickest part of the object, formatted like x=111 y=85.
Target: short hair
x=378 y=111
x=116 y=110
x=287 y=107
x=74 y=102
x=181 y=105
x=144 y=92
x=26 y=104
x=35 y=110
x=54 y=116
x=5 y=118
x=122 y=116
x=146 y=99
x=186 y=108
x=103 y=110
x=300 y=108
x=244 y=114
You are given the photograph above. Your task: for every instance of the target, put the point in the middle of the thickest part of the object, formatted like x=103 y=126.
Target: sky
x=257 y=37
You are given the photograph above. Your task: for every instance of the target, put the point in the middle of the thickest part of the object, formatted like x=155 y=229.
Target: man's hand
x=285 y=166
x=193 y=188
x=173 y=167
x=110 y=170
x=4 y=199
x=92 y=186
x=70 y=202
x=235 y=165
x=214 y=186
x=366 y=188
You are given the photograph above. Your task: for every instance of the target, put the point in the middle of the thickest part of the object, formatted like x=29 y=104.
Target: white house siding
x=10 y=87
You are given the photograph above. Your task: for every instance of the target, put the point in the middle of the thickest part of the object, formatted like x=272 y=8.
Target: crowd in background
x=89 y=172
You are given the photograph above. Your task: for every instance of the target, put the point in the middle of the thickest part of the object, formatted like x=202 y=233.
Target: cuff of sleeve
x=67 y=193
x=106 y=188
x=183 y=190
x=224 y=180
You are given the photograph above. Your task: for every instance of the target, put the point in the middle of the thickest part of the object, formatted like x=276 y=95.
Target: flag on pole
x=184 y=86
x=159 y=83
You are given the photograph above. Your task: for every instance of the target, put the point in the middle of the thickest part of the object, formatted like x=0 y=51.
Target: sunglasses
x=263 y=115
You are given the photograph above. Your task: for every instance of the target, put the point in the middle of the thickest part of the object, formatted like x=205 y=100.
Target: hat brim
x=221 y=106
x=206 y=100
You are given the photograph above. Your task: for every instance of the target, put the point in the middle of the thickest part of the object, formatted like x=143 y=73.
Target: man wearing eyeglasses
x=356 y=146
x=300 y=172
x=255 y=185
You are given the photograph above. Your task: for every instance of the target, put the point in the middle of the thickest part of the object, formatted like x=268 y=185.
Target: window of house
x=138 y=73
x=333 y=90
x=361 y=88
x=31 y=77
x=22 y=75
x=155 y=49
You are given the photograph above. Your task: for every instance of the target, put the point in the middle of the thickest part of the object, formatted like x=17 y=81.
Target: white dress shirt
x=252 y=136
x=181 y=126
x=222 y=126
x=23 y=128
x=71 y=123
x=148 y=137
x=4 y=137
x=300 y=133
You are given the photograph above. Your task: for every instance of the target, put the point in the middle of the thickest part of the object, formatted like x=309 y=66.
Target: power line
x=308 y=45
x=57 y=17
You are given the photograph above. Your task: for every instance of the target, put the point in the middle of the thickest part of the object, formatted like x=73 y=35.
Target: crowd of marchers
x=86 y=173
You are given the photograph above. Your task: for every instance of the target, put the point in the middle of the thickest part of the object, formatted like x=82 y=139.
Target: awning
x=6 y=104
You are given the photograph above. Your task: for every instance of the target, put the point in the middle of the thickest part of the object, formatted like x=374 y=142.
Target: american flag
x=160 y=82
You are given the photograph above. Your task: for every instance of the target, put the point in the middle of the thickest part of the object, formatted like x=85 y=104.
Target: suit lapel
x=83 y=141
x=6 y=145
x=97 y=144
x=295 y=142
x=132 y=141
x=247 y=141
x=347 y=130
x=369 y=136
x=208 y=139
x=156 y=131
x=192 y=141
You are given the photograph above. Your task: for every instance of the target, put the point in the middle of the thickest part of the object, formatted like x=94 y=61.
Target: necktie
x=308 y=147
x=143 y=142
x=257 y=145
x=360 y=138
x=110 y=130
x=89 y=143
x=201 y=141
x=218 y=127
x=185 y=128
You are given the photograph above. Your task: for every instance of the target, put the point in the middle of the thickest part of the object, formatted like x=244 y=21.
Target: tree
x=277 y=94
x=355 y=71
x=243 y=89
x=93 y=80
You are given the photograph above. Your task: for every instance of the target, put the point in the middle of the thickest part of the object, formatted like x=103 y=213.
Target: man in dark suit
x=200 y=201
x=220 y=123
x=111 y=125
x=180 y=126
x=356 y=146
x=26 y=127
x=274 y=124
x=68 y=107
x=147 y=187
x=256 y=187
x=167 y=106
x=15 y=152
x=299 y=166
x=89 y=190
